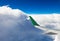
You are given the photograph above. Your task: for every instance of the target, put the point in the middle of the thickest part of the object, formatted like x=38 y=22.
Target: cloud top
x=10 y=11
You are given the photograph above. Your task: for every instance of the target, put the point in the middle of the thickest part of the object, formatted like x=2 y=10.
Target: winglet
x=33 y=21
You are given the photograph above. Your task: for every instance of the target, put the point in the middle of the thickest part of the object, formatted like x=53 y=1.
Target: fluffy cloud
x=14 y=26
x=51 y=21
x=9 y=11
x=48 y=20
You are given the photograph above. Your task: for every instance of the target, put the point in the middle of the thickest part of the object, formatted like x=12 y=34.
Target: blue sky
x=34 y=6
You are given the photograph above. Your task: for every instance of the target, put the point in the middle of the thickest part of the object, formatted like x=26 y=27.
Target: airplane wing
x=47 y=31
x=33 y=21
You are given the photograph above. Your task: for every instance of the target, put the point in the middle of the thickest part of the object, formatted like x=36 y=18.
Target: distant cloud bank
x=48 y=19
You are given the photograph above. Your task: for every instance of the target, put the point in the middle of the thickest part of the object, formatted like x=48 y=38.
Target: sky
x=15 y=26
x=34 y=6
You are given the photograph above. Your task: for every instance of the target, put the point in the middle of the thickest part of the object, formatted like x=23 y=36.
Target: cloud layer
x=14 y=26
x=48 y=20
x=51 y=21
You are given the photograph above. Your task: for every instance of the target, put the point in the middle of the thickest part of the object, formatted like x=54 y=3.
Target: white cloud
x=14 y=26
x=10 y=11
x=49 y=21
